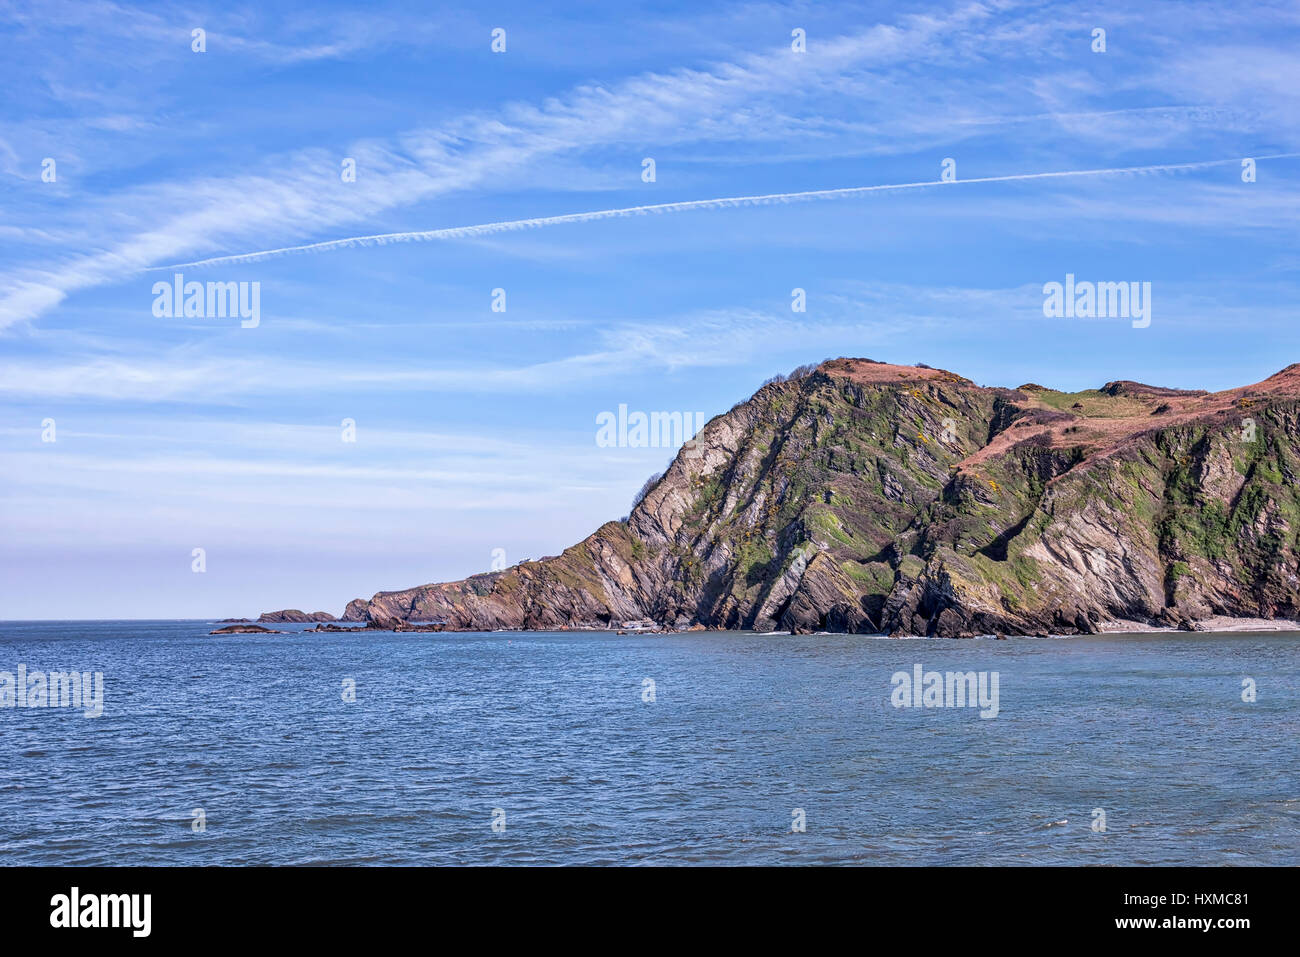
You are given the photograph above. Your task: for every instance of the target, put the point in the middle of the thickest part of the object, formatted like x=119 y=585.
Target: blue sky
x=475 y=429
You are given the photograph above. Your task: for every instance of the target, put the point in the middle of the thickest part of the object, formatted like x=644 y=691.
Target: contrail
x=766 y=199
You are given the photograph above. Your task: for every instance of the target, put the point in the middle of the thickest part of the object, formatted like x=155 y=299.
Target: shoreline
x=1218 y=624
x=1215 y=623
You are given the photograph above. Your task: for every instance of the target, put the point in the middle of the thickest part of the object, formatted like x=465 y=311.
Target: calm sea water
x=552 y=730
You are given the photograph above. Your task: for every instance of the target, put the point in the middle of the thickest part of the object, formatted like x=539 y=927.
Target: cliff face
x=866 y=497
x=355 y=611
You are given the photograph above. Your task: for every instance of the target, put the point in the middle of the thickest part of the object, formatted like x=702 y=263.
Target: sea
x=717 y=748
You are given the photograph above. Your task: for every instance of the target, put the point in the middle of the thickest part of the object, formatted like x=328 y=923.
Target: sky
x=418 y=408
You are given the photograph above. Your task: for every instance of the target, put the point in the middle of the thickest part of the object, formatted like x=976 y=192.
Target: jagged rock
x=294 y=616
x=355 y=611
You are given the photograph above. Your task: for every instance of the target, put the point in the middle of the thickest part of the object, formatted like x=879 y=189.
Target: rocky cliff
x=865 y=497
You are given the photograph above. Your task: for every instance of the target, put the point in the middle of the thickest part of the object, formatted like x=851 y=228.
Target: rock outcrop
x=383 y=624
x=294 y=616
x=865 y=497
x=355 y=611
x=245 y=630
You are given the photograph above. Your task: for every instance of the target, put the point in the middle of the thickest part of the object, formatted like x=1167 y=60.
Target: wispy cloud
x=688 y=104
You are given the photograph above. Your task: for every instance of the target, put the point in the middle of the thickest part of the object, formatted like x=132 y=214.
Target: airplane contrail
x=766 y=199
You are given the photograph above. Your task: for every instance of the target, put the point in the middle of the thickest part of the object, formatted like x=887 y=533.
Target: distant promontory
x=857 y=496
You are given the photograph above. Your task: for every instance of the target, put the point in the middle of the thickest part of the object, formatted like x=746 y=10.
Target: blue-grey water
x=553 y=735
